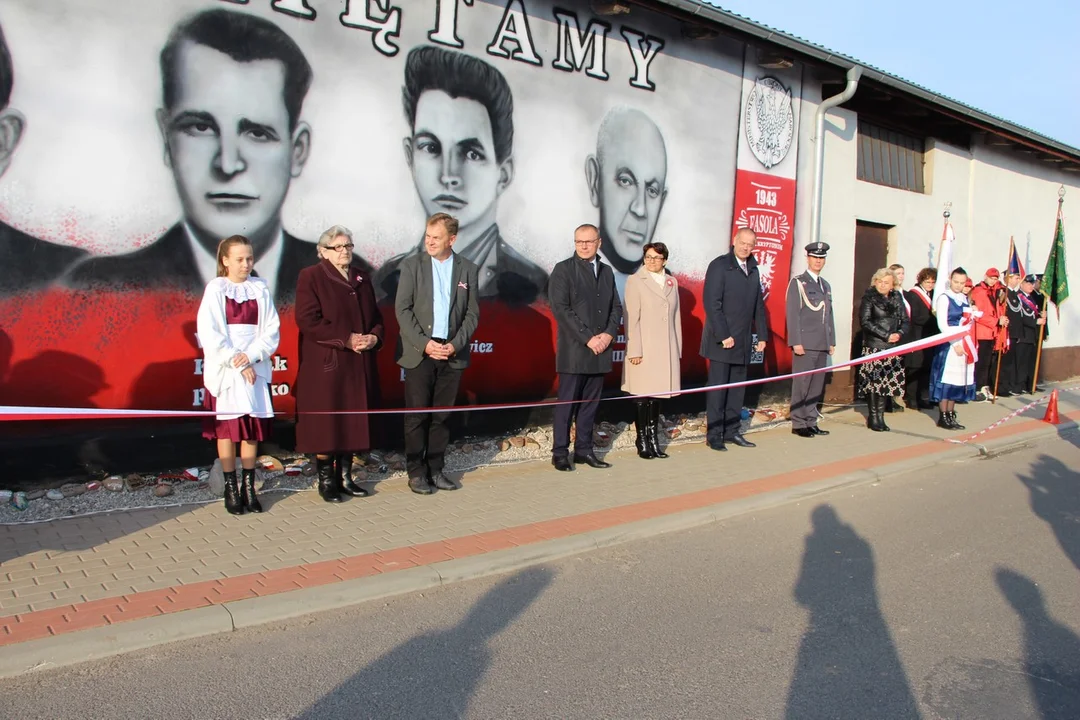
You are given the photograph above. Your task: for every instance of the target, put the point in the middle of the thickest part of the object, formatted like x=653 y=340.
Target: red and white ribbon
x=19 y=413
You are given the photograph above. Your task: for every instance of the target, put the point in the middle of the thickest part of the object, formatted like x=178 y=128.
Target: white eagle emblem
x=770 y=121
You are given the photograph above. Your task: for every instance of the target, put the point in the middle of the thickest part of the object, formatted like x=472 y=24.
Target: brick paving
x=79 y=573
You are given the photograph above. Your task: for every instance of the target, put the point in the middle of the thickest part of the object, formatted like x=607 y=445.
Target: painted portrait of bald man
x=627 y=179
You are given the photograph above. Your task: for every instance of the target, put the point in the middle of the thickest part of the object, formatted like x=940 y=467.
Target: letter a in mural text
x=445 y=32
x=514 y=29
x=574 y=46
x=296 y=8
x=378 y=16
x=643 y=50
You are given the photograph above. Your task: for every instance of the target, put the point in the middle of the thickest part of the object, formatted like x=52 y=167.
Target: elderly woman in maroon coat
x=340 y=330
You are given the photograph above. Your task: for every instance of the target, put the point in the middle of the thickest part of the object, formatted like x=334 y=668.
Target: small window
x=887 y=157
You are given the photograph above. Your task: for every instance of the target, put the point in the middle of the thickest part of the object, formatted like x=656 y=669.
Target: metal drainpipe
x=853 y=76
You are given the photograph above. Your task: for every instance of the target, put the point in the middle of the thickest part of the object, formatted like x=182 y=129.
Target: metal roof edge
x=728 y=19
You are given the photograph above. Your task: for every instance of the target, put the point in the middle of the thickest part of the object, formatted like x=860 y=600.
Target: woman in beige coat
x=653 y=345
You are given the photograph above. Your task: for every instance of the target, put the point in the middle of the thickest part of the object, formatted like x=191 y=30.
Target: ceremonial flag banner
x=945 y=253
x=1054 y=283
x=1013 y=266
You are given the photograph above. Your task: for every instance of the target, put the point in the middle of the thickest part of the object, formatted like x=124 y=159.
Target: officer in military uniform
x=812 y=337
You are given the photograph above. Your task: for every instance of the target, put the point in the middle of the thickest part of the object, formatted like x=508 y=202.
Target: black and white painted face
x=452 y=155
x=228 y=143
x=628 y=183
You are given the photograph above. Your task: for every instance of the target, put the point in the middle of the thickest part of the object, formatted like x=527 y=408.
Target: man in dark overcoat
x=734 y=309
x=812 y=338
x=437 y=310
x=586 y=306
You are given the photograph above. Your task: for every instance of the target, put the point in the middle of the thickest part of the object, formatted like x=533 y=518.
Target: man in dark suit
x=437 y=312
x=460 y=151
x=586 y=306
x=812 y=338
x=233 y=88
x=734 y=309
x=26 y=263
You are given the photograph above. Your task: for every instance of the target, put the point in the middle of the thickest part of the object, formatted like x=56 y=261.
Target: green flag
x=1054 y=283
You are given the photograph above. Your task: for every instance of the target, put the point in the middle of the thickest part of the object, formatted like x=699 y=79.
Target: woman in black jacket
x=923 y=324
x=884 y=322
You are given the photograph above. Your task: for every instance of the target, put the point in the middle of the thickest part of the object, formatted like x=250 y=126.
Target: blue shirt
x=441 y=274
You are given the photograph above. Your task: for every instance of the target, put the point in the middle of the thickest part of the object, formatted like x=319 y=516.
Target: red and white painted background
x=88 y=171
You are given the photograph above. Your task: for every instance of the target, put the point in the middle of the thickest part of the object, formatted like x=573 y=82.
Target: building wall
x=995 y=194
x=100 y=280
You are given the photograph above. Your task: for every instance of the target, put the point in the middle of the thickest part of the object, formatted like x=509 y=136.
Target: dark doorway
x=871 y=254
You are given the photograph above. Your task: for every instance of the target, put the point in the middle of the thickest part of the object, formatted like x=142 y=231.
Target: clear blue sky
x=1017 y=60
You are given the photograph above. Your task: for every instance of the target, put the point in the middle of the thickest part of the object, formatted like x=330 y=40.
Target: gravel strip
x=471 y=454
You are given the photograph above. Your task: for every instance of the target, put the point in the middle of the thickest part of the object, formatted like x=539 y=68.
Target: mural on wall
x=276 y=119
x=765 y=189
x=460 y=146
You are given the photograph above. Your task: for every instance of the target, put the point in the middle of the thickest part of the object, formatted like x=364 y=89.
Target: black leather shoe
x=718 y=446
x=328 y=487
x=803 y=432
x=350 y=488
x=442 y=482
x=562 y=464
x=591 y=460
x=247 y=491
x=741 y=441
x=343 y=469
x=421 y=486
x=818 y=431
x=234 y=501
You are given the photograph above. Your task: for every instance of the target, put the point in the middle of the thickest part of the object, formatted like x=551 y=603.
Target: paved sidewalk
x=66 y=577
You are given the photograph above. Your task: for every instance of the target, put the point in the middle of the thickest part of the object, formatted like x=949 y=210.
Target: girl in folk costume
x=238 y=331
x=952 y=373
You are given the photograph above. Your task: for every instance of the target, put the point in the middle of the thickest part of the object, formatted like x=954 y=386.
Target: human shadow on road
x=435 y=674
x=1051 y=650
x=848 y=665
x=1055 y=497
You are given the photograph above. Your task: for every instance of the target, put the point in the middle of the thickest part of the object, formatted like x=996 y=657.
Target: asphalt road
x=951 y=594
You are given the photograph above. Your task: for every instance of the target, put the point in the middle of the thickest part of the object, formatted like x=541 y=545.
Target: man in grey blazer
x=812 y=338
x=586 y=306
x=437 y=311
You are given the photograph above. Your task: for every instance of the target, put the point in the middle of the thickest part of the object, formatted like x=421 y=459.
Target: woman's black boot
x=641 y=426
x=328 y=488
x=233 y=502
x=883 y=401
x=654 y=428
x=343 y=468
x=251 y=500
x=871 y=411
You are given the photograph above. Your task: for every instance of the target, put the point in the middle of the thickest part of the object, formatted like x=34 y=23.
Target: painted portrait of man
x=26 y=263
x=627 y=179
x=460 y=113
x=233 y=88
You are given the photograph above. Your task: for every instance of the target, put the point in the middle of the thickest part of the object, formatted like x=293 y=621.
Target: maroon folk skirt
x=244 y=427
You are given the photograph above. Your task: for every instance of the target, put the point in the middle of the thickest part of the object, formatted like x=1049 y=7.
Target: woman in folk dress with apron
x=952 y=373
x=238 y=330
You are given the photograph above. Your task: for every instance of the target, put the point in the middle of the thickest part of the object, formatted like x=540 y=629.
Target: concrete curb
x=77 y=647
x=97 y=643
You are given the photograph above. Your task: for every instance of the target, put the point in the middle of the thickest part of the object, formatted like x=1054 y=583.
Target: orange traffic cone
x=1051 y=415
